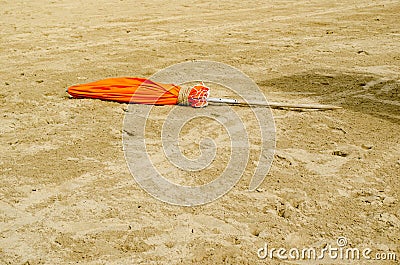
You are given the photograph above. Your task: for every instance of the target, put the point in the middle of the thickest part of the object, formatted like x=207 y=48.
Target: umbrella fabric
x=128 y=90
x=141 y=91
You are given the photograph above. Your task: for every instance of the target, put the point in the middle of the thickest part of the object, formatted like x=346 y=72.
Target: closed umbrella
x=141 y=91
x=144 y=91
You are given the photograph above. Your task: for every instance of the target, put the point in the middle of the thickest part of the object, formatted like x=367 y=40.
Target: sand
x=67 y=195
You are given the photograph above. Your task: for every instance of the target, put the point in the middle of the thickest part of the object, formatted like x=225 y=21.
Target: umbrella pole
x=276 y=105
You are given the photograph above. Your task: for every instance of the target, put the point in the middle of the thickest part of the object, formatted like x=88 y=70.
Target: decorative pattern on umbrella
x=198 y=96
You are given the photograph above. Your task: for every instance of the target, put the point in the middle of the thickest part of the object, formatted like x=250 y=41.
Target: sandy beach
x=67 y=195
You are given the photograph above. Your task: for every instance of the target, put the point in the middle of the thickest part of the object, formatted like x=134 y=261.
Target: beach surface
x=66 y=192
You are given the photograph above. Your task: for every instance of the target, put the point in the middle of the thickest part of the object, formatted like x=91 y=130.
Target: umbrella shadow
x=366 y=93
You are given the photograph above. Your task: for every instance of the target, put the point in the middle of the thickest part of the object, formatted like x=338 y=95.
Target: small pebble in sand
x=363 y=52
x=340 y=153
x=389 y=200
x=367 y=146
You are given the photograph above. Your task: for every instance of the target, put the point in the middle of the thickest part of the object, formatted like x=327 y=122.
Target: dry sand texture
x=67 y=195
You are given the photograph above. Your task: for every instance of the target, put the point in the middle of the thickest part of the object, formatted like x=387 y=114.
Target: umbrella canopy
x=141 y=91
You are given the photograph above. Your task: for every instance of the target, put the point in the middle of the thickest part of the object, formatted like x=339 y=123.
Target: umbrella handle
x=273 y=104
x=222 y=100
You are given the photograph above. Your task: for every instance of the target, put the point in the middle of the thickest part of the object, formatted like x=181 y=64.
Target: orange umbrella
x=141 y=91
x=145 y=91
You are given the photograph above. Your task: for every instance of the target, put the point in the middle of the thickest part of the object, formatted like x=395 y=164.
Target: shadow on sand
x=368 y=94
